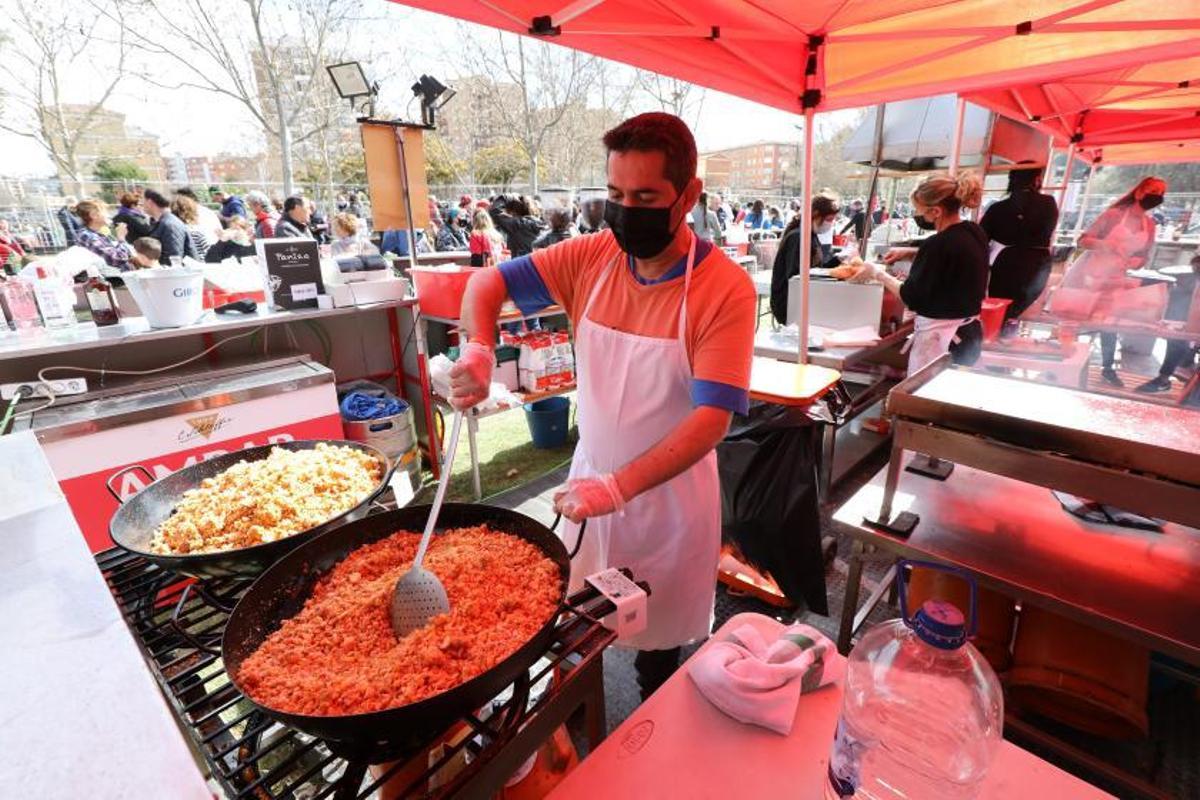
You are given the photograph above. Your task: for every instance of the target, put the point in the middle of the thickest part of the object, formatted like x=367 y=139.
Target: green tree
x=351 y=168
x=112 y=171
x=502 y=163
x=441 y=165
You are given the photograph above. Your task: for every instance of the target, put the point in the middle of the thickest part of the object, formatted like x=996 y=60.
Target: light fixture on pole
x=351 y=83
x=433 y=95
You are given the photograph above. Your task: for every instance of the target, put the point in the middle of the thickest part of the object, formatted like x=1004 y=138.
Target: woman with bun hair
x=949 y=276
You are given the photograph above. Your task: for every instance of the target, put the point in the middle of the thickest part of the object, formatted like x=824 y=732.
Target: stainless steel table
x=1135 y=455
x=869 y=372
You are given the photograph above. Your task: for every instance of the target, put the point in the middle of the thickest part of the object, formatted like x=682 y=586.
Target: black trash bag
x=769 y=505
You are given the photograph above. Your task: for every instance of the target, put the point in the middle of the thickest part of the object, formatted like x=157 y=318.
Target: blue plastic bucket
x=549 y=421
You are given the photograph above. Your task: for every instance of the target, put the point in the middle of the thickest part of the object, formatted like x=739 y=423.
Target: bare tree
x=550 y=80
x=269 y=57
x=684 y=100
x=48 y=43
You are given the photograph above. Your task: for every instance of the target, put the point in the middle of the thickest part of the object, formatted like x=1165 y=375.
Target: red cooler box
x=172 y=422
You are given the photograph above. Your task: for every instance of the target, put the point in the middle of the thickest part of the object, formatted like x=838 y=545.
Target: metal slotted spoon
x=419 y=595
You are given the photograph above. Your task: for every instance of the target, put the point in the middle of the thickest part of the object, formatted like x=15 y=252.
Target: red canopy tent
x=1143 y=114
x=817 y=55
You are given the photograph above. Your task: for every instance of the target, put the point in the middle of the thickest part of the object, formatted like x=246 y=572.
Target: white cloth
x=209 y=223
x=994 y=250
x=632 y=391
x=930 y=340
x=758 y=681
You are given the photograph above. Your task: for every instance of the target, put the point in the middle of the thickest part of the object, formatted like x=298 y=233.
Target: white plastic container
x=922 y=710
x=169 y=297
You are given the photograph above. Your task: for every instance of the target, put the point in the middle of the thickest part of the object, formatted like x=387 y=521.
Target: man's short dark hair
x=157 y=198
x=657 y=132
x=295 y=201
x=187 y=191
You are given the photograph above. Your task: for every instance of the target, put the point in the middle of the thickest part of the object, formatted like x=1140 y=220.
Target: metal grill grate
x=178 y=623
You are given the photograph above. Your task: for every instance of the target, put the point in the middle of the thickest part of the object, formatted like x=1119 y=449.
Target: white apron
x=633 y=390
x=930 y=340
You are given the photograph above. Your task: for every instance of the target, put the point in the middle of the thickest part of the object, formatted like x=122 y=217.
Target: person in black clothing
x=1178 y=352
x=1022 y=225
x=560 y=229
x=858 y=220
x=949 y=275
x=318 y=224
x=237 y=241
x=787 y=257
x=137 y=224
x=69 y=220
x=294 y=222
x=169 y=229
x=515 y=220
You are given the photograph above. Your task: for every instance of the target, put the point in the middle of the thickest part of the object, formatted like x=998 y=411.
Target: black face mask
x=642 y=232
x=923 y=223
x=1150 y=201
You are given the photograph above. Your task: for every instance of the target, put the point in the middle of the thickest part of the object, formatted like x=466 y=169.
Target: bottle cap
x=940 y=624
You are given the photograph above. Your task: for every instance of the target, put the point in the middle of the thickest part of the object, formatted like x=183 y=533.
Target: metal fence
x=31 y=205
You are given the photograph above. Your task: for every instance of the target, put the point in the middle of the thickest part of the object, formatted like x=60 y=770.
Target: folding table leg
x=850 y=602
x=905 y=522
x=828 y=442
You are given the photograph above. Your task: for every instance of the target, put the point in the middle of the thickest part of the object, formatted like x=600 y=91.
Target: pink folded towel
x=759 y=681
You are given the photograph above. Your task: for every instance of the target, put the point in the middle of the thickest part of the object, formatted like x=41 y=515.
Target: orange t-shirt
x=721 y=306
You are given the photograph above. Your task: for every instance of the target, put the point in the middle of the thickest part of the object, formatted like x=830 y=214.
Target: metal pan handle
x=578 y=539
x=109 y=483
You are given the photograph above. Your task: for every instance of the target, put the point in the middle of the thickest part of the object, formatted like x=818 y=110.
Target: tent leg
x=873 y=190
x=806 y=232
x=1083 y=202
x=1066 y=180
x=960 y=114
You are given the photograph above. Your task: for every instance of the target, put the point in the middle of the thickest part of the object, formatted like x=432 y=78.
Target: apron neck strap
x=687 y=284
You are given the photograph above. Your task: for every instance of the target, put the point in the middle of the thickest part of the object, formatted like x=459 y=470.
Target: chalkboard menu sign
x=292 y=271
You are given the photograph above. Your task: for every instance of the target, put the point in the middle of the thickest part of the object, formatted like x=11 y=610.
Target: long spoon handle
x=436 y=508
x=447 y=464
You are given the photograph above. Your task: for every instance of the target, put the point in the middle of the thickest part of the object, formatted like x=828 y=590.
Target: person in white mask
x=664 y=333
x=949 y=276
x=825 y=209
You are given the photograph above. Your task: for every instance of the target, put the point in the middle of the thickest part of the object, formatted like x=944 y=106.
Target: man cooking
x=664 y=331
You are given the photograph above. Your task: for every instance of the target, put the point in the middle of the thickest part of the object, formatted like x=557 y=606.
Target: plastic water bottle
x=922 y=710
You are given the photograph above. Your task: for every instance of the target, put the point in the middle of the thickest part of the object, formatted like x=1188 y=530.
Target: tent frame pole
x=1087 y=195
x=1066 y=178
x=960 y=113
x=806 y=232
x=873 y=189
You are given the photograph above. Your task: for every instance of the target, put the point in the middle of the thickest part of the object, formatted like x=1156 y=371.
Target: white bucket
x=168 y=297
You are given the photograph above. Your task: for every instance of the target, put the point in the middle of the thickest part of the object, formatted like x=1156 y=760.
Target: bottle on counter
x=101 y=299
x=922 y=710
x=20 y=304
x=48 y=291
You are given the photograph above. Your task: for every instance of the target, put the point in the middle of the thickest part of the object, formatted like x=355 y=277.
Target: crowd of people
x=511 y=225
x=149 y=228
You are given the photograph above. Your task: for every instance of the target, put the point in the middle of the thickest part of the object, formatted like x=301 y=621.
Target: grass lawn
x=507 y=457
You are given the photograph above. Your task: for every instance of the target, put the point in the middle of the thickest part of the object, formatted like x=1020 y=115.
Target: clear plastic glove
x=589 y=497
x=867 y=273
x=471 y=376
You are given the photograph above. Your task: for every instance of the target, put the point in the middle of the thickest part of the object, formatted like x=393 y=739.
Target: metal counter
x=1135 y=455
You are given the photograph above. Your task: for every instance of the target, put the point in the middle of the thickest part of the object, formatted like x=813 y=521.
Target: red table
x=678 y=745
